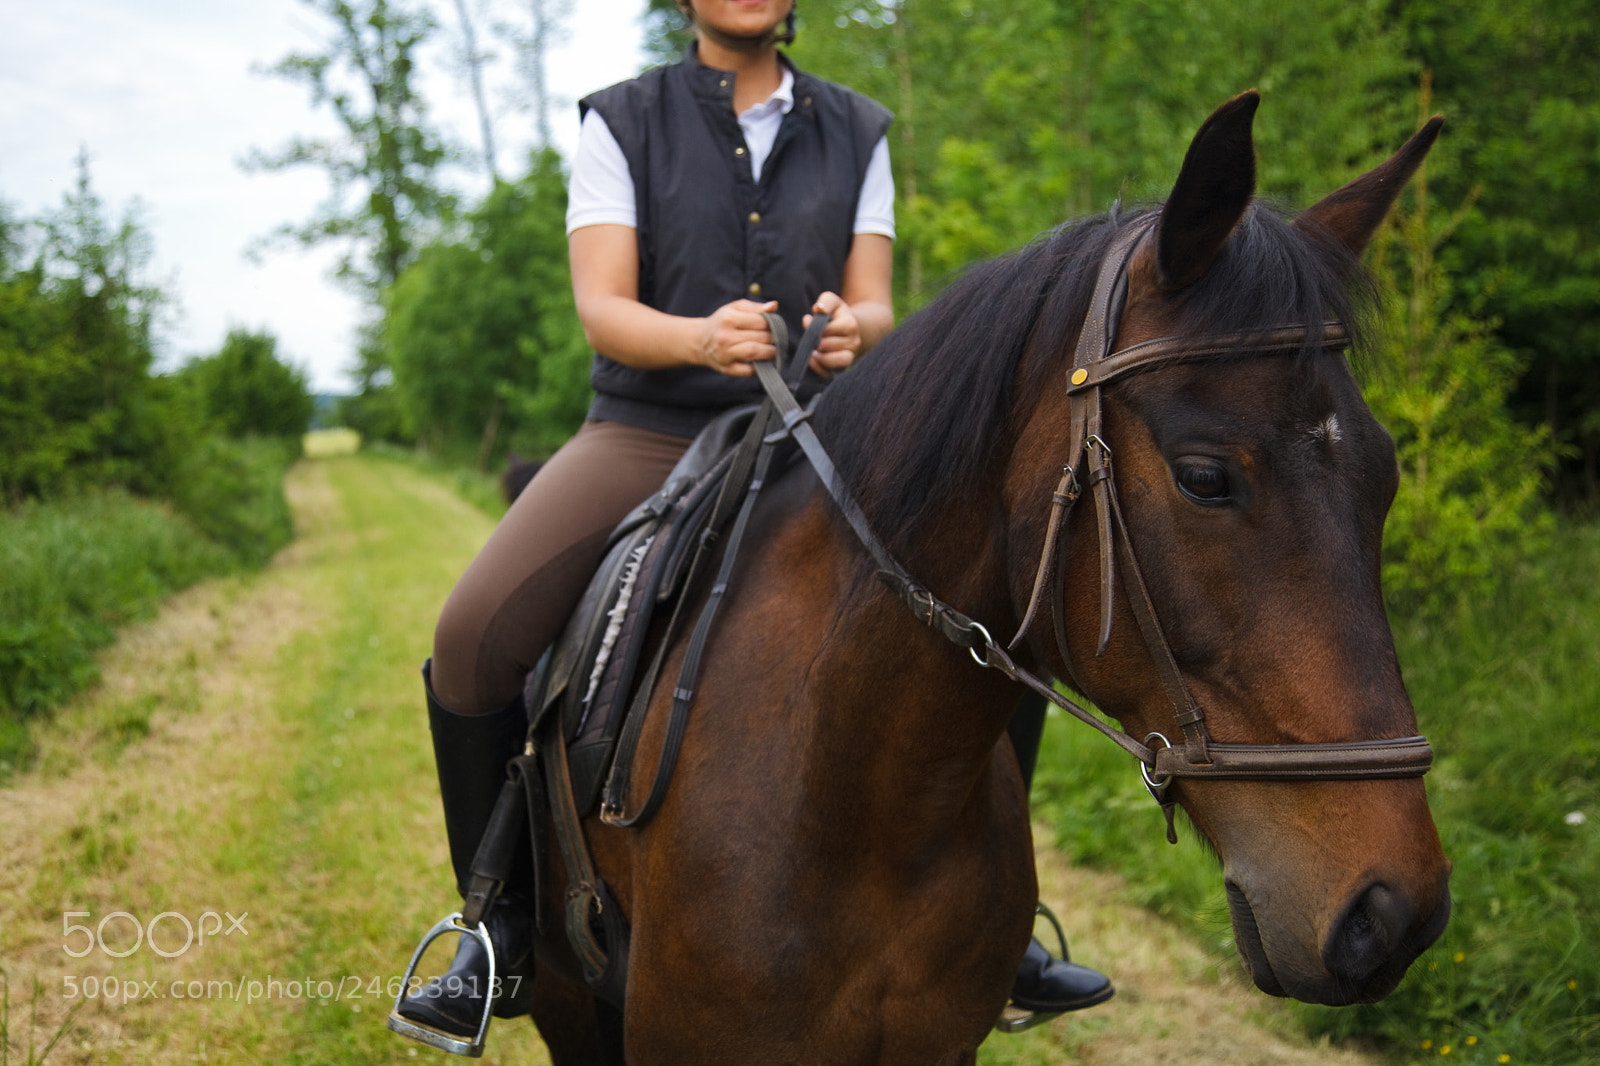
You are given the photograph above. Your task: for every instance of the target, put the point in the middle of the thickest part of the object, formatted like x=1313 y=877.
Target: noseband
x=1096 y=364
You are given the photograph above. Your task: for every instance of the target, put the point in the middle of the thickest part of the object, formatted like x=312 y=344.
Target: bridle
x=1095 y=365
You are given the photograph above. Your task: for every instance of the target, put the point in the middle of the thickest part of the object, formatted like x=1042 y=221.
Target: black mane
x=917 y=422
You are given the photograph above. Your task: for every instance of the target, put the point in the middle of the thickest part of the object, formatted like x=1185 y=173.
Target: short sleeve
x=600 y=191
x=875 y=208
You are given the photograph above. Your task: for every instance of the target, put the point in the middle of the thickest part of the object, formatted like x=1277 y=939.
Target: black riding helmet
x=742 y=44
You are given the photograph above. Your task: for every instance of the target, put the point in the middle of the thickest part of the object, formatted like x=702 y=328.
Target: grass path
x=257 y=758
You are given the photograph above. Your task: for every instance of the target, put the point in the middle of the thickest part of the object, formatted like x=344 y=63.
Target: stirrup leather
x=1015 y=1019
x=427 y=1034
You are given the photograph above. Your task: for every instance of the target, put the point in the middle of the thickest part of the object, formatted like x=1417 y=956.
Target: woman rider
x=702 y=195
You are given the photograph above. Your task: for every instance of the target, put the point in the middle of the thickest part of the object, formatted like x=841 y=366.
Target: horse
x=842 y=868
x=519 y=472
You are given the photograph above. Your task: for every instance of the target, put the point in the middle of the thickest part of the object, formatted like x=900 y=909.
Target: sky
x=162 y=95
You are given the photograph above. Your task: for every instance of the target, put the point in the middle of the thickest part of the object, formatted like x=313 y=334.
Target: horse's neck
x=913 y=712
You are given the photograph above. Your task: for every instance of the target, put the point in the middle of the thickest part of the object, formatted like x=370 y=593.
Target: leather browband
x=1167 y=351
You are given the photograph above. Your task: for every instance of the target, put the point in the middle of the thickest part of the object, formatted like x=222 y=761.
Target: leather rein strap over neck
x=1096 y=364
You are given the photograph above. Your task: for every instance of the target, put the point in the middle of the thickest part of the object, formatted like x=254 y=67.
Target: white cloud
x=162 y=95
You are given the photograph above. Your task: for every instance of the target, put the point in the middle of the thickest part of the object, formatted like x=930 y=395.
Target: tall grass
x=1509 y=694
x=71 y=572
x=74 y=570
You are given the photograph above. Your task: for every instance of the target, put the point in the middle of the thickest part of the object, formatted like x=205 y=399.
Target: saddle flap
x=594 y=661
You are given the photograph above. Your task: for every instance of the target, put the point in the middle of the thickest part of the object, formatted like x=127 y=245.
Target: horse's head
x=1253 y=483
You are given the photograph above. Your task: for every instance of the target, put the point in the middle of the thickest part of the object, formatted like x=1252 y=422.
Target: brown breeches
x=516 y=595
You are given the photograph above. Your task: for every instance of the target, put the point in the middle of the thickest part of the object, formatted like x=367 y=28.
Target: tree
x=1469 y=504
x=1518 y=79
x=77 y=403
x=1027 y=112
x=246 y=390
x=482 y=334
x=545 y=28
x=384 y=171
x=473 y=60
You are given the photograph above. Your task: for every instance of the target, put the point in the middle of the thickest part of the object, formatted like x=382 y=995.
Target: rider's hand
x=841 y=341
x=734 y=336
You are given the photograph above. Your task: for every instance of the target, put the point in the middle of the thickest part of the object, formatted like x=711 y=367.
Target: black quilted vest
x=709 y=234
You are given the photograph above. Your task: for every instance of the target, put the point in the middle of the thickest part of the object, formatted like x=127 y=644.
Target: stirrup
x=1015 y=1019
x=427 y=1034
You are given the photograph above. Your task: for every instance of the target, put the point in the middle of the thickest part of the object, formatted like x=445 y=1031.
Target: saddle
x=588 y=675
x=587 y=697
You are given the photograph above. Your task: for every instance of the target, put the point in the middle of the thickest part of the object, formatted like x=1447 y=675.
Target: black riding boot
x=471 y=752
x=1044 y=984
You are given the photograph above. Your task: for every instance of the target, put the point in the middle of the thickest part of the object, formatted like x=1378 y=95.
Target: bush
x=232 y=490
x=246 y=391
x=71 y=572
x=1469 y=506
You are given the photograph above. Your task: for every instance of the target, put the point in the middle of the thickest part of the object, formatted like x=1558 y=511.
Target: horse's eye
x=1202 y=482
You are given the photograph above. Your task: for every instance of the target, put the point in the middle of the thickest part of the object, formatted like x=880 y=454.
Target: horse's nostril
x=1367 y=935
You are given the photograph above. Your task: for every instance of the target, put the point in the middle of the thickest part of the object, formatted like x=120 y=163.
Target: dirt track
x=258 y=749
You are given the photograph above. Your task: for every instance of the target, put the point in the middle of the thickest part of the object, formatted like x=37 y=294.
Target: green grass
x=71 y=573
x=313 y=807
x=74 y=570
x=30 y=1044
x=232 y=490
x=477 y=487
x=1509 y=694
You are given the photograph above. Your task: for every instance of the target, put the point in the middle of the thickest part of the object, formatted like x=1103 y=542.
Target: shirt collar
x=781 y=99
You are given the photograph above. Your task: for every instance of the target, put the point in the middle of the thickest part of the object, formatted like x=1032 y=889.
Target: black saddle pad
x=590 y=670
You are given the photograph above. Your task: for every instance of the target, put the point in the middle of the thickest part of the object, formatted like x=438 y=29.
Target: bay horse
x=842 y=869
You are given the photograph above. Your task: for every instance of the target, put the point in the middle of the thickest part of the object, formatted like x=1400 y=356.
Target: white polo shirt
x=601 y=188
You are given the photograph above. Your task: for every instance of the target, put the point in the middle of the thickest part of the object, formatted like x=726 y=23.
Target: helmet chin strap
x=739 y=42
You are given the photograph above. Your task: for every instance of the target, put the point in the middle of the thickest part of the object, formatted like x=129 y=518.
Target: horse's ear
x=1213 y=189
x=1352 y=214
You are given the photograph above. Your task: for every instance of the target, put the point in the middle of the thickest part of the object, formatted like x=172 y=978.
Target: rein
x=1096 y=364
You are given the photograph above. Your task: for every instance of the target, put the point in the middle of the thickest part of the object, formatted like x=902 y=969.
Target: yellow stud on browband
x=1079 y=376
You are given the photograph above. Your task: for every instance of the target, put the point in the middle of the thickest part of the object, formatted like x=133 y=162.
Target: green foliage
x=232 y=490
x=1469 y=504
x=383 y=168
x=1013 y=116
x=376 y=414
x=1506 y=693
x=483 y=338
x=84 y=424
x=77 y=403
x=245 y=390
x=71 y=572
x=1518 y=81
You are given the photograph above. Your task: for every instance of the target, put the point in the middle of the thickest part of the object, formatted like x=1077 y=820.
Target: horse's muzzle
x=1364 y=953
